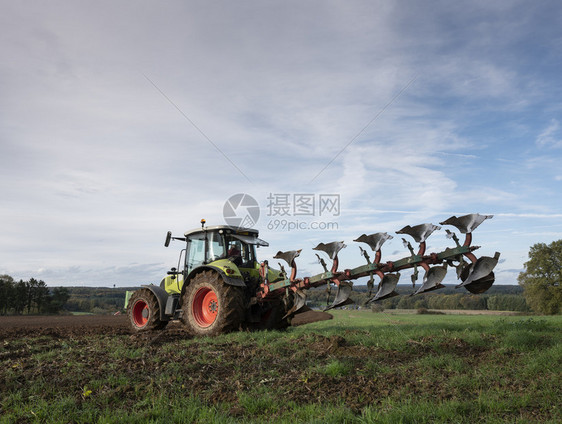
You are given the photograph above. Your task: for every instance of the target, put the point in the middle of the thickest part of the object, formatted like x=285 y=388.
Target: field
x=359 y=367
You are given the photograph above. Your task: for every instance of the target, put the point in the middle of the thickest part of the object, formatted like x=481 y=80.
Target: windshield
x=217 y=246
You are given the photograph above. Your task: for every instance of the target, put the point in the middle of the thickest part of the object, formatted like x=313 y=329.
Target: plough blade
x=299 y=300
x=386 y=288
x=463 y=268
x=432 y=279
x=375 y=241
x=419 y=232
x=481 y=285
x=342 y=296
x=467 y=223
x=288 y=256
x=331 y=249
x=480 y=274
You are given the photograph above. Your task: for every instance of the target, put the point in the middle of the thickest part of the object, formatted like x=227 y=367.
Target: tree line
x=97 y=300
x=502 y=298
x=104 y=300
x=30 y=297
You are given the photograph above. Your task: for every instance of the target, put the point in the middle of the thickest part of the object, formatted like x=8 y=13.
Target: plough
x=476 y=274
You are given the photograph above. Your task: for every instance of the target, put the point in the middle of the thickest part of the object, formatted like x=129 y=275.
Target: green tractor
x=219 y=286
x=213 y=289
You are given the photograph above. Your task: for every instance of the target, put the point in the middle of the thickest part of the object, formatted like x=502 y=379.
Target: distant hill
x=104 y=300
x=498 y=298
x=99 y=300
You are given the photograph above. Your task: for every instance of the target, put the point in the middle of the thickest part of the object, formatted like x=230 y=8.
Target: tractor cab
x=205 y=246
x=229 y=250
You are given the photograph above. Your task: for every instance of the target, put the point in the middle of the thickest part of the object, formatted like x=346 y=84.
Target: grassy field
x=359 y=367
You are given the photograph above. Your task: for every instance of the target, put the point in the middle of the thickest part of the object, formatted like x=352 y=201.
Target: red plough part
x=477 y=275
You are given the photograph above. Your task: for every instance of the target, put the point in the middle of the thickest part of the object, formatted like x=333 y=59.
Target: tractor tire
x=211 y=307
x=144 y=312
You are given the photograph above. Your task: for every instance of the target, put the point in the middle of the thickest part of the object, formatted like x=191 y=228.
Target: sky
x=122 y=120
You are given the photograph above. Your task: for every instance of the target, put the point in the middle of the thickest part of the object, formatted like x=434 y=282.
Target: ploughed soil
x=84 y=325
x=62 y=325
x=308 y=315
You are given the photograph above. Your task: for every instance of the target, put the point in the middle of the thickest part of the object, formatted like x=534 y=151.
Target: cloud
x=551 y=137
x=98 y=164
x=102 y=276
x=511 y=271
x=531 y=215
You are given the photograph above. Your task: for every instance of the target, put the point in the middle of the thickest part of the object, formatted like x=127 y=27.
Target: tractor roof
x=247 y=235
x=226 y=228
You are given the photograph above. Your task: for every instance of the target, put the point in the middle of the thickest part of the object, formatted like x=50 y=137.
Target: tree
x=542 y=278
x=19 y=297
x=6 y=293
x=58 y=299
x=41 y=295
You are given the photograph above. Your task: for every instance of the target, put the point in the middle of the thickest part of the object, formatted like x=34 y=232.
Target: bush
x=377 y=308
x=425 y=311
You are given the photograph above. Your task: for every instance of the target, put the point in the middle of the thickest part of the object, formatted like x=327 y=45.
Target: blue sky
x=119 y=122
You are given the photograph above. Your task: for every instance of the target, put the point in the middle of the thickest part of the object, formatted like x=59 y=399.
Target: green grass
x=359 y=367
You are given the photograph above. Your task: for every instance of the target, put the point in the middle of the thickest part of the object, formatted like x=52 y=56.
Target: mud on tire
x=211 y=307
x=143 y=312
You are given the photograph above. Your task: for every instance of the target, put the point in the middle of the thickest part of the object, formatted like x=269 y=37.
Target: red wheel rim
x=205 y=306
x=140 y=313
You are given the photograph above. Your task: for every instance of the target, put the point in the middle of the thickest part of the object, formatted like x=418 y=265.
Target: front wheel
x=144 y=312
x=211 y=307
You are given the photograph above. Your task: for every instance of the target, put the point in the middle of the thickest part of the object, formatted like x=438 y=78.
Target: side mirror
x=168 y=238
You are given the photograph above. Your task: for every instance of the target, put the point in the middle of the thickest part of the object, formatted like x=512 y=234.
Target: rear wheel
x=211 y=307
x=144 y=312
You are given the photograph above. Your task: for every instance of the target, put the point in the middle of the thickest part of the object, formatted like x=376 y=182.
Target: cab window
x=216 y=247
x=195 y=251
x=240 y=253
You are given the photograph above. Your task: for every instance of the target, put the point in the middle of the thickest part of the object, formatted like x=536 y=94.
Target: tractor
x=213 y=288
x=219 y=286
